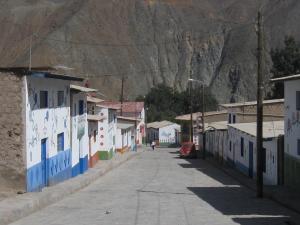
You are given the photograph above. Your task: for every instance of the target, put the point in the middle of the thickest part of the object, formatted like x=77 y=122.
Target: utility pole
x=203 y=123
x=122 y=94
x=191 y=116
x=259 y=135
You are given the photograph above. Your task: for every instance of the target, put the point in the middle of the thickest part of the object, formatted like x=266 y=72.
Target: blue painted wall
x=76 y=170
x=58 y=168
x=84 y=164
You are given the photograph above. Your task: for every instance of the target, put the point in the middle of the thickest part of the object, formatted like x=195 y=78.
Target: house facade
x=292 y=130
x=241 y=150
x=126 y=134
x=40 y=135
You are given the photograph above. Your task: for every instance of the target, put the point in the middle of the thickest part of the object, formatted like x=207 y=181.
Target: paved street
x=159 y=188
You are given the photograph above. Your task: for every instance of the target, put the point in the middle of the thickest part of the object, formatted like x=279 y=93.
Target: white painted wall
x=292 y=118
x=216 y=142
x=46 y=123
x=80 y=145
x=94 y=144
x=234 y=135
x=167 y=134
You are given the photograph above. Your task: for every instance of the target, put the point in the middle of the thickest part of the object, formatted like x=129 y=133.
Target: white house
x=292 y=130
x=241 y=151
x=79 y=124
x=37 y=142
x=165 y=133
x=126 y=131
x=107 y=131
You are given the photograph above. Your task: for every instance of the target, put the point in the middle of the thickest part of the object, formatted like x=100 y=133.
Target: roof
x=95 y=117
x=94 y=100
x=128 y=118
x=124 y=126
x=107 y=107
x=270 y=129
x=42 y=72
x=82 y=89
x=221 y=125
x=196 y=115
x=127 y=107
x=161 y=124
x=251 y=103
x=286 y=78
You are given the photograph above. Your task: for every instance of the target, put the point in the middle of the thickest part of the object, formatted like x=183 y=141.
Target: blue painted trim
x=76 y=170
x=84 y=164
x=58 y=168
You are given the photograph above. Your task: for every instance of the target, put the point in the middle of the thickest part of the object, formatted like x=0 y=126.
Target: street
x=159 y=188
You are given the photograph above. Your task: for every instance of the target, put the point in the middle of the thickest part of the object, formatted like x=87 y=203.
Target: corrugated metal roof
x=270 y=129
x=292 y=77
x=160 y=124
x=240 y=104
x=82 y=89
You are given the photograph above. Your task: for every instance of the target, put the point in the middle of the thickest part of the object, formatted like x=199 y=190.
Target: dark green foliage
x=286 y=61
x=165 y=103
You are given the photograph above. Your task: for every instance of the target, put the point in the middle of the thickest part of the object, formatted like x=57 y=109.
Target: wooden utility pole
x=122 y=94
x=203 y=123
x=259 y=135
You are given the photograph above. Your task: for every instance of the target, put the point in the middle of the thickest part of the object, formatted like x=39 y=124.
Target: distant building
x=241 y=151
x=35 y=125
x=292 y=130
x=126 y=131
x=165 y=133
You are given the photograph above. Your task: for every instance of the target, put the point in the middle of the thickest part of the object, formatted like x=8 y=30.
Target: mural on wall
x=293 y=122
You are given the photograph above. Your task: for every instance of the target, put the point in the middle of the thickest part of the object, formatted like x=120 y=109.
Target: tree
x=286 y=61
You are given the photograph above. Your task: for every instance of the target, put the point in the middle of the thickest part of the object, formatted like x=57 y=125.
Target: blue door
x=250 y=159
x=44 y=161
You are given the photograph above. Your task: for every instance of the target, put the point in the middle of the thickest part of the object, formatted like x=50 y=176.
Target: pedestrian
x=153 y=145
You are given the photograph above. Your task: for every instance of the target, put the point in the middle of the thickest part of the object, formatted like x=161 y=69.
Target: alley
x=159 y=188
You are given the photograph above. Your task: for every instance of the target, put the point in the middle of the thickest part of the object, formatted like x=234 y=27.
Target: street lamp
x=202 y=115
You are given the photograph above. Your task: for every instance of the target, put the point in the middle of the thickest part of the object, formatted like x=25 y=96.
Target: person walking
x=153 y=145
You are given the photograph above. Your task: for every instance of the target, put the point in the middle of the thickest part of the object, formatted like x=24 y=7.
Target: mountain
x=147 y=41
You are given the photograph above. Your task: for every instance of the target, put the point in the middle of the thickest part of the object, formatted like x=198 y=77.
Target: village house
x=241 y=151
x=79 y=124
x=35 y=125
x=292 y=130
x=164 y=133
x=126 y=134
x=245 y=112
x=132 y=110
x=107 y=131
x=95 y=118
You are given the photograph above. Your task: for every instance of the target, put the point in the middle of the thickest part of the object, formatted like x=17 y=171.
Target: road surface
x=158 y=188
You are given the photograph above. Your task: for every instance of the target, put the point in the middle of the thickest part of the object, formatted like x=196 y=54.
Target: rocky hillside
x=147 y=41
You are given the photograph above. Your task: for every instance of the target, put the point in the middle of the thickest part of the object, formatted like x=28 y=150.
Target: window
x=60 y=142
x=298 y=147
x=242 y=147
x=75 y=109
x=230 y=146
x=60 y=98
x=264 y=158
x=298 y=100
x=229 y=118
x=81 y=107
x=43 y=99
x=233 y=118
x=95 y=135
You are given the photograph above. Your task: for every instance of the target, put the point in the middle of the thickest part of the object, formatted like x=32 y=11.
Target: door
x=44 y=161
x=250 y=159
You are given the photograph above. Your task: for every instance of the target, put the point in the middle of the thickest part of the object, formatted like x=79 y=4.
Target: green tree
x=286 y=61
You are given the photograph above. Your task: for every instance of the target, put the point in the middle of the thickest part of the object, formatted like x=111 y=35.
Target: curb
x=13 y=209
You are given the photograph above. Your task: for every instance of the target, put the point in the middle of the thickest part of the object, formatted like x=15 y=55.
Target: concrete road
x=158 y=188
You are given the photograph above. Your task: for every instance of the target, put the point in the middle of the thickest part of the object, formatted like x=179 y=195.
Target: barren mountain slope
x=148 y=41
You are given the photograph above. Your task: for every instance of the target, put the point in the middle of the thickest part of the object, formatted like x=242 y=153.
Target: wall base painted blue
x=84 y=164
x=58 y=168
x=76 y=170
x=242 y=168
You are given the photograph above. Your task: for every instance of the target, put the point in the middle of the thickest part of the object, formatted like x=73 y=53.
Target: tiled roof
x=127 y=107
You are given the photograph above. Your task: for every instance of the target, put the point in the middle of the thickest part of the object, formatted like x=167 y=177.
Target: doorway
x=44 y=161
x=251 y=159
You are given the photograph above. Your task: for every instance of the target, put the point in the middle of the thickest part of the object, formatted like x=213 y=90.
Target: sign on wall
x=81 y=126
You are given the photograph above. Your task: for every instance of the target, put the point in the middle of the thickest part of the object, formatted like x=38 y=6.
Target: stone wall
x=12 y=155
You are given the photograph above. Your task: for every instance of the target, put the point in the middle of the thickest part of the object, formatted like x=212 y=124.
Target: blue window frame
x=230 y=146
x=43 y=99
x=298 y=147
x=298 y=100
x=242 y=147
x=81 y=107
x=60 y=142
x=229 y=118
x=233 y=118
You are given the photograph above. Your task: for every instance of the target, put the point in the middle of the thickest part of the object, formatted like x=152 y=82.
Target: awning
x=82 y=89
x=95 y=117
x=124 y=126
